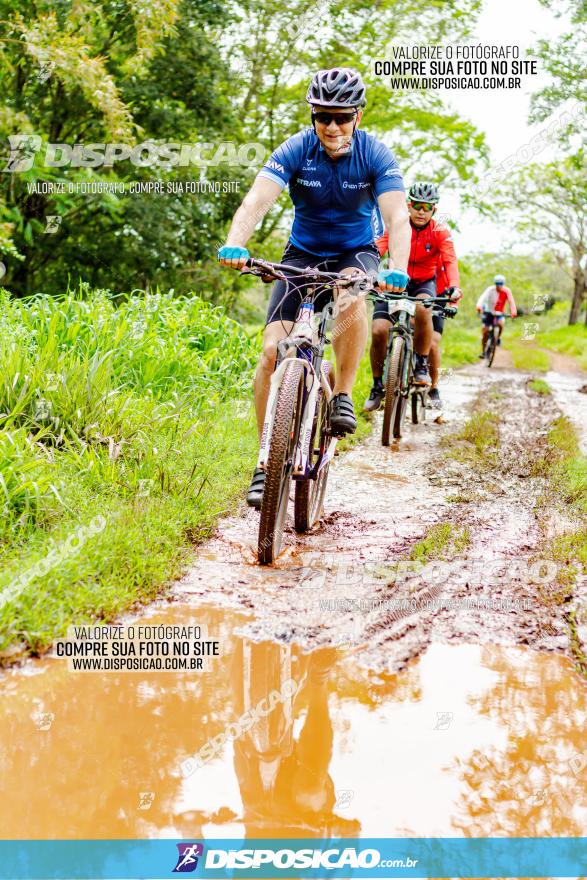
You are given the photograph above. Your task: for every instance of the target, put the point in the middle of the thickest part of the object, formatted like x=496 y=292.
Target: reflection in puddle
x=466 y=741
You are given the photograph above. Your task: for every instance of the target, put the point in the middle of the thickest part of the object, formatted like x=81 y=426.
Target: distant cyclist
x=494 y=299
x=336 y=174
x=430 y=243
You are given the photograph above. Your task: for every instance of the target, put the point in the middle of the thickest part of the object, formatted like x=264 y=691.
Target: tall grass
x=123 y=412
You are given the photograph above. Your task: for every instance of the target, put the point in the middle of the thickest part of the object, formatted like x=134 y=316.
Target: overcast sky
x=502 y=114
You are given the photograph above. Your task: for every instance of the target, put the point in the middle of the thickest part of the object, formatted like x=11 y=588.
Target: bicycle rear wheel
x=309 y=496
x=280 y=462
x=393 y=398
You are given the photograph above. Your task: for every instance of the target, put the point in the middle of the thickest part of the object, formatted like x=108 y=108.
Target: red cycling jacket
x=431 y=244
x=441 y=278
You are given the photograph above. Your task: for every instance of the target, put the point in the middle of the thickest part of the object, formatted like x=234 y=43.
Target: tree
x=549 y=205
x=564 y=60
x=219 y=72
x=118 y=72
x=287 y=42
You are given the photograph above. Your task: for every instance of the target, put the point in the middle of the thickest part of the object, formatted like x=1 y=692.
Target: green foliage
x=563 y=60
x=180 y=71
x=443 y=541
x=96 y=73
x=526 y=357
x=555 y=214
x=27 y=489
x=477 y=443
x=539 y=386
x=568 y=340
x=139 y=414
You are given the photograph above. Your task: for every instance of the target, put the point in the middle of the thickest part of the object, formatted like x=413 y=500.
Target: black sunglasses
x=339 y=118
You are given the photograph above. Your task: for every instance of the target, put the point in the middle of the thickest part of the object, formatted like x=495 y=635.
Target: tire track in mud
x=349 y=582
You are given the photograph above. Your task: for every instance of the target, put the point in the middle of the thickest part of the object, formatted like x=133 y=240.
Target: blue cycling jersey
x=333 y=199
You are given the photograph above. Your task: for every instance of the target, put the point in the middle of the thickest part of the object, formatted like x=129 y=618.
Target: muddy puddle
x=469 y=740
x=352 y=580
x=422 y=705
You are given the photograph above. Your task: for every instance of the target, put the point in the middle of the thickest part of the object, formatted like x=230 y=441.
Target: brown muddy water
x=425 y=704
x=467 y=740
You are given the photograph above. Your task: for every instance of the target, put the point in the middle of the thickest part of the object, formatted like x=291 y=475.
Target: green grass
x=138 y=418
x=460 y=345
x=539 y=386
x=567 y=340
x=525 y=357
x=478 y=438
x=565 y=469
x=443 y=541
x=553 y=333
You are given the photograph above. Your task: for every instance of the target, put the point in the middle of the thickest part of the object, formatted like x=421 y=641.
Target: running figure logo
x=188 y=857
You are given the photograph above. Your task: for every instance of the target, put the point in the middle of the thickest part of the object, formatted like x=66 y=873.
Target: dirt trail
x=488 y=719
x=345 y=583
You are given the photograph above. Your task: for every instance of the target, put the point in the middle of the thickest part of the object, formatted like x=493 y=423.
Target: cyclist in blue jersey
x=336 y=174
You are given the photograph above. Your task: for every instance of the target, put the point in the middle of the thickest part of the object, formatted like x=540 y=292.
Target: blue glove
x=233 y=253
x=393 y=278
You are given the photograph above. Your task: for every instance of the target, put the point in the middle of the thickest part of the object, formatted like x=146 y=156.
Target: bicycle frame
x=402 y=328
x=299 y=348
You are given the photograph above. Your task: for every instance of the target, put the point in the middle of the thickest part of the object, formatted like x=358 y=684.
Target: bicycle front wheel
x=491 y=346
x=309 y=495
x=394 y=401
x=280 y=461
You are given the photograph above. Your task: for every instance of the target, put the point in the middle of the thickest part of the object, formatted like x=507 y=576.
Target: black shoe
x=342 y=416
x=434 y=401
x=499 y=340
x=421 y=375
x=482 y=355
x=255 y=493
x=373 y=402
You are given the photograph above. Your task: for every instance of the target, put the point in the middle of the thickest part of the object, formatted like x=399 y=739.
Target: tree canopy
x=215 y=73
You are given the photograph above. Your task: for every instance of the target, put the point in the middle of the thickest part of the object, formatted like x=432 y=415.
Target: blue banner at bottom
x=293 y=858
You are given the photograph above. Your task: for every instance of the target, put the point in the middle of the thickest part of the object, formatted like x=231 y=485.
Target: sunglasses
x=422 y=206
x=339 y=118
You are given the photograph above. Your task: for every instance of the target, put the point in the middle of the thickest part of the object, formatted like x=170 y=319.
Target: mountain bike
x=493 y=337
x=399 y=364
x=296 y=444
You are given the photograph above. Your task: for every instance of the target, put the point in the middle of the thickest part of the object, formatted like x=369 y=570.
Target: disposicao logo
x=187 y=861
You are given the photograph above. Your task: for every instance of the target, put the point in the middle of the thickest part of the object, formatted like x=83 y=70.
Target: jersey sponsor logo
x=360 y=185
x=271 y=163
x=393 y=172
x=305 y=182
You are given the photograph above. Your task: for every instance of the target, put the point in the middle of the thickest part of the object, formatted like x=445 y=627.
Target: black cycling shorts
x=487 y=318
x=381 y=309
x=285 y=302
x=437 y=321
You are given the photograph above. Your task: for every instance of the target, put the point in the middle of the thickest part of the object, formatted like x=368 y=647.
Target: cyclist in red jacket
x=431 y=243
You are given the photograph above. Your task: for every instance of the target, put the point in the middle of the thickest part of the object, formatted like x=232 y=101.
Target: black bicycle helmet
x=339 y=87
x=422 y=191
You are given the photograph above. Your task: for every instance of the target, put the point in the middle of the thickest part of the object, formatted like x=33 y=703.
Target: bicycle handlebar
x=496 y=314
x=366 y=282
x=277 y=270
